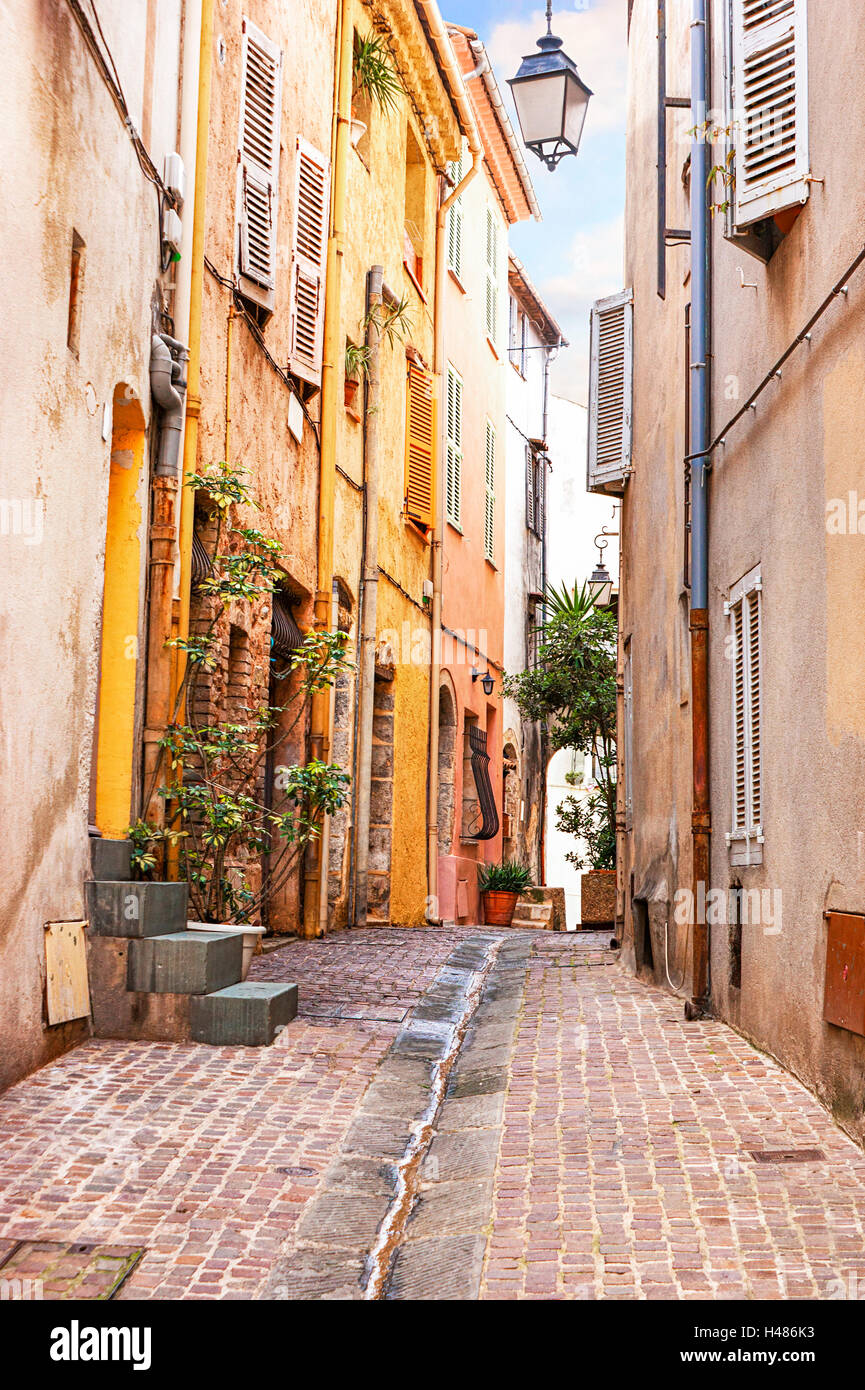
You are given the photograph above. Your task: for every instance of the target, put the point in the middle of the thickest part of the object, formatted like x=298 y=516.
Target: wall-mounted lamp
x=487 y=680
x=601 y=584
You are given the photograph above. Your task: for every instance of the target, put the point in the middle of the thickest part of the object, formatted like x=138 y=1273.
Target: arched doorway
x=447 y=766
x=510 y=801
x=111 y=780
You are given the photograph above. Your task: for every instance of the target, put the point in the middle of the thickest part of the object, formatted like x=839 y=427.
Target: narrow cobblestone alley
x=566 y=1133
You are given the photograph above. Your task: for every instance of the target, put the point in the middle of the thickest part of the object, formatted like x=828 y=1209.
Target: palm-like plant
x=374 y=74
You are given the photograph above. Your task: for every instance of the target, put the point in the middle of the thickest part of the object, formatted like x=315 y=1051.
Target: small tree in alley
x=572 y=691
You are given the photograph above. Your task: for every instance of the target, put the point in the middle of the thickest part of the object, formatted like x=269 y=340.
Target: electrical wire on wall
x=104 y=58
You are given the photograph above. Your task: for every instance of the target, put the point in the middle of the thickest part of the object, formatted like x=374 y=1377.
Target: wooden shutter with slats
x=420 y=446
x=530 y=487
x=745 y=612
x=455 y=222
x=491 y=304
x=769 y=92
x=611 y=386
x=454 y=422
x=490 y=494
x=308 y=261
x=258 y=165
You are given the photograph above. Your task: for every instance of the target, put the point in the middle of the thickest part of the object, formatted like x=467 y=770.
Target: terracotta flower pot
x=499 y=908
x=350 y=387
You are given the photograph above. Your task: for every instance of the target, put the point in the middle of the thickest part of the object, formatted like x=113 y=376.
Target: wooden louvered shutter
x=455 y=222
x=453 y=490
x=491 y=306
x=745 y=614
x=308 y=261
x=420 y=446
x=755 y=713
x=530 y=487
x=258 y=164
x=740 y=724
x=770 y=107
x=490 y=494
x=611 y=386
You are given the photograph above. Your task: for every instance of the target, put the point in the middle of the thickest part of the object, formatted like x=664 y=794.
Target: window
x=535 y=489
x=534 y=629
x=453 y=491
x=258 y=166
x=420 y=446
x=491 y=301
x=744 y=610
x=308 y=258
x=517 y=336
x=768 y=107
x=455 y=221
x=490 y=494
x=611 y=375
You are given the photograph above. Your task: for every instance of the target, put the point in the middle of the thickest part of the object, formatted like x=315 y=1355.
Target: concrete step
x=540 y=912
x=135 y=909
x=250 y=1014
x=110 y=859
x=186 y=962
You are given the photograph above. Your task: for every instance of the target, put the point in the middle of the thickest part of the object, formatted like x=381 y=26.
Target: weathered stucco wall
x=69 y=164
x=771 y=486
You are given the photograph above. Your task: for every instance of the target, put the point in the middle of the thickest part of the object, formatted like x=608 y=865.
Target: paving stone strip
x=348 y=1233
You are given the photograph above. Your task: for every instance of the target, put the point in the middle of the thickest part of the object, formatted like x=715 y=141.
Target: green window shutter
x=453 y=481
x=490 y=494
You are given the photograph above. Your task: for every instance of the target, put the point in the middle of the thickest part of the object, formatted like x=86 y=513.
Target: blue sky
x=574 y=255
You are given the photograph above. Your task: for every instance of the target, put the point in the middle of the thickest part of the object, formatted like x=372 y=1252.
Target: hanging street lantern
x=550 y=98
x=601 y=584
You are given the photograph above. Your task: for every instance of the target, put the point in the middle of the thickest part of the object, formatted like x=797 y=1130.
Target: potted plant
x=501 y=886
x=356 y=368
x=375 y=79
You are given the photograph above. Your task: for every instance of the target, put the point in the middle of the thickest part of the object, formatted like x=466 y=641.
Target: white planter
x=358 y=130
x=250 y=937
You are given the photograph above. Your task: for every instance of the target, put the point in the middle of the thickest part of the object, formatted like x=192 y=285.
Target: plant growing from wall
x=572 y=691
x=212 y=772
x=374 y=75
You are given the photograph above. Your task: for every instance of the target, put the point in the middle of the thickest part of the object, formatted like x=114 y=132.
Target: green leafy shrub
x=507 y=877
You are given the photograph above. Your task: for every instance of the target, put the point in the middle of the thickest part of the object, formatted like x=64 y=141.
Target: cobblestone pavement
x=486 y=1114
x=624 y=1169
x=207 y=1156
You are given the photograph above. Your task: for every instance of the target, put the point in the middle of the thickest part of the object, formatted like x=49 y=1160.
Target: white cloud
x=594 y=36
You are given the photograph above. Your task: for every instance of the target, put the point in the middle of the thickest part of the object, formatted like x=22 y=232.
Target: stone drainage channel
x=405 y=1205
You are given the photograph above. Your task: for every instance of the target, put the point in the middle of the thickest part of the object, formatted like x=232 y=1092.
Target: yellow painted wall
x=119 y=646
x=375 y=235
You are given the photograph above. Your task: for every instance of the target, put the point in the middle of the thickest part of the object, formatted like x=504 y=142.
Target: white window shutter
x=490 y=494
x=258 y=164
x=530 y=487
x=308 y=262
x=770 y=107
x=455 y=222
x=745 y=610
x=453 y=490
x=611 y=389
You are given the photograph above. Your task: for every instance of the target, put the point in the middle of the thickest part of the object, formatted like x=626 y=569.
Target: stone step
x=110 y=859
x=539 y=912
x=135 y=909
x=186 y=962
x=249 y=1014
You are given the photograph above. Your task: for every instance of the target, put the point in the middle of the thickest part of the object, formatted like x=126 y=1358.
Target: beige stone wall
x=68 y=165
x=781 y=468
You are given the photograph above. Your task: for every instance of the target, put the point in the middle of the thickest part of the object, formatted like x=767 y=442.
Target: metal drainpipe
x=701 y=819
x=366 y=658
x=549 y=356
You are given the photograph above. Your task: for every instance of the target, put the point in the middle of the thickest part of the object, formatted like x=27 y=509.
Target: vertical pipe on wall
x=369 y=572
x=315 y=874
x=662 y=149
x=701 y=820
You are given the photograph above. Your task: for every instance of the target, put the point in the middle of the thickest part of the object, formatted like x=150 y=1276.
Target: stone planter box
x=598 y=898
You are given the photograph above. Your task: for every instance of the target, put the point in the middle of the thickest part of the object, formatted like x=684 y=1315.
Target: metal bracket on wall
x=667 y=236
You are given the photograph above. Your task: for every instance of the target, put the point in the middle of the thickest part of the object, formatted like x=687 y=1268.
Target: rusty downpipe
x=700 y=406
